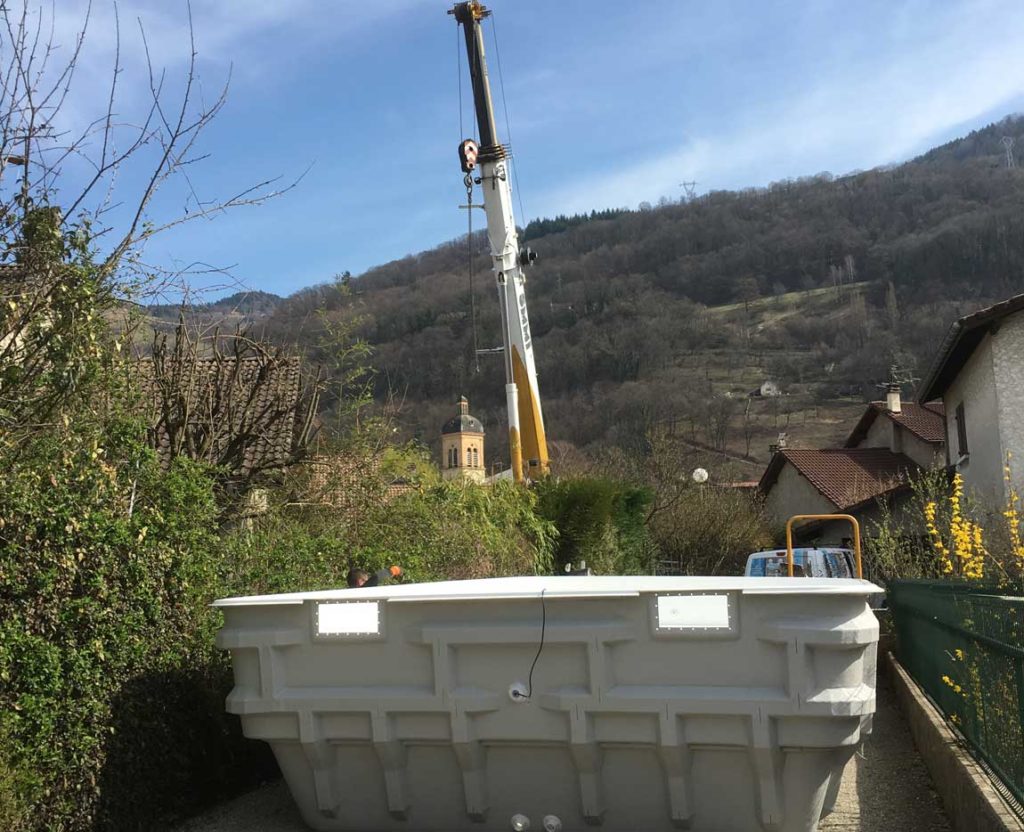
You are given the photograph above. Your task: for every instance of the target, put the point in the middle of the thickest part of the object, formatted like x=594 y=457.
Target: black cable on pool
x=540 y=647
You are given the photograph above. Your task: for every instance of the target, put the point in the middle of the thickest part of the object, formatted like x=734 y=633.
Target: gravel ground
x=885 y=788
x=269 y=809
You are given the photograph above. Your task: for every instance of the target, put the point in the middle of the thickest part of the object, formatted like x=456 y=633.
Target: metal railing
x=964 y=644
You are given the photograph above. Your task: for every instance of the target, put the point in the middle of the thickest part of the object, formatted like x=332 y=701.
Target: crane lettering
x=524 y=322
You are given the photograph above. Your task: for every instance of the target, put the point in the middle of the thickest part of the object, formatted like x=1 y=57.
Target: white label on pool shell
x=351 y=618
x=693 y=612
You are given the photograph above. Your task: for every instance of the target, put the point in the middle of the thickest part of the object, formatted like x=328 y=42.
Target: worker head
x=357 y=577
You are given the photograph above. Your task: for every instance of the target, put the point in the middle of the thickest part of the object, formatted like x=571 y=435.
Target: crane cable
x=469 y=244
x=468 y=180
x=508 y=123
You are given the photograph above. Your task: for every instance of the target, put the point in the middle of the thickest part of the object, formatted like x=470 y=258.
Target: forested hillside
x=669 y=316
x=237 y=307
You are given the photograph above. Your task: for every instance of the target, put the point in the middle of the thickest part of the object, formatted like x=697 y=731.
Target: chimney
x=892 y=398
x=779 y=444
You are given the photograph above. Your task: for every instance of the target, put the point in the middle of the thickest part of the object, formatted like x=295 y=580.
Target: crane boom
x=527 y=441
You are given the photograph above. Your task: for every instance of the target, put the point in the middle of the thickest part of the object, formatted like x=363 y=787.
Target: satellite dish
x=700 y=475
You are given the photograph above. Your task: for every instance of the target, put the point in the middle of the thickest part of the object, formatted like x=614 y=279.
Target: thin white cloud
x=960 y=69
x=253 y=40
x=228 y=35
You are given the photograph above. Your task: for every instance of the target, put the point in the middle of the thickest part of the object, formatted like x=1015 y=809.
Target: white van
x=814 y=562
x=809 y=562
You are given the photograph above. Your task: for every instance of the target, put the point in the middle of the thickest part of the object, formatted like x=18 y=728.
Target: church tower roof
x=463 y=422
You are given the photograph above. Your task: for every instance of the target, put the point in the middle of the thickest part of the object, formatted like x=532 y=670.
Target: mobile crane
x=488 y=159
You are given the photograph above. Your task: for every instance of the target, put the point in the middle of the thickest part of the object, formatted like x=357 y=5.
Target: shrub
x=459 y=530
x=437 y=532
x=710 y=531
x=107 y=567
x=899 y=546
x=599 y=520
x=946 y=532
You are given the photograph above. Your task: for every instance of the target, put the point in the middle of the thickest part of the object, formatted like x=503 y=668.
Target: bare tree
x=72 y=235
x=242 y=406
x=35 y=84
x=749 y=426
x=717 y=416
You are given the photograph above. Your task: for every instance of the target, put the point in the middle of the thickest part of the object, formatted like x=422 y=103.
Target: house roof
x=960 y=342
x=846 y=477
x=253 y=400
x=342 y=480
x=926 y=421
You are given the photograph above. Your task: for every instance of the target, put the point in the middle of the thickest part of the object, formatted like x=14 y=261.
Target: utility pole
x=1008 y=142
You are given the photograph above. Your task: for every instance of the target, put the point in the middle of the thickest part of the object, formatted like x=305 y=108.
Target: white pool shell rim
x=610 y=586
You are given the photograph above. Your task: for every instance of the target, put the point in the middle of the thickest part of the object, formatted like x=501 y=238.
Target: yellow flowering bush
x=959 y=621
x=1012 y=514
x=960 y=543
x=964 y=548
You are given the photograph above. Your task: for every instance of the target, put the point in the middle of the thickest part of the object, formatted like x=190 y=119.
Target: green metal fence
x=964 y=644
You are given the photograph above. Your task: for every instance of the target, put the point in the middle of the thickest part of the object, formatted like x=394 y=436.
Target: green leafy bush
x=599 y=520
x=107 y=665
x=454 y=530
x=437 y=531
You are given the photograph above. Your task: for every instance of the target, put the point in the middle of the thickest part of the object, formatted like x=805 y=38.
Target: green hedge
x=107 y=665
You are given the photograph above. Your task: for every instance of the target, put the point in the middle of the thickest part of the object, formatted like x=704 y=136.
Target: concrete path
x=885 y=788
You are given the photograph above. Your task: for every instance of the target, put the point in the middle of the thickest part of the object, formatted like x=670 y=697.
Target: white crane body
x=527 y=440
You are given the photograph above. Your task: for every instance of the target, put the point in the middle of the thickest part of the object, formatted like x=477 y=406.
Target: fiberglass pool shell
x=629 y=703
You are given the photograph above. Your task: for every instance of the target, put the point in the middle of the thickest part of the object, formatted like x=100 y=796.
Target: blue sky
x=610 y=104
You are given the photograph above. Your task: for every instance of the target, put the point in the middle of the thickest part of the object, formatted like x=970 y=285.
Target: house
x=835 y=481
x=892 y=442
x=979 y=376
x=917 y=430
x=348 y=481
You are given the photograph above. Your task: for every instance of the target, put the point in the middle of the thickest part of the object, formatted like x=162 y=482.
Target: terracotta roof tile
x=271 y=389
x=926 y=421
x=342 y=481
x=846 y=476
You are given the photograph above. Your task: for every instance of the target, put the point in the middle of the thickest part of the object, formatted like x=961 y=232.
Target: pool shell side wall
x=678 y=707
